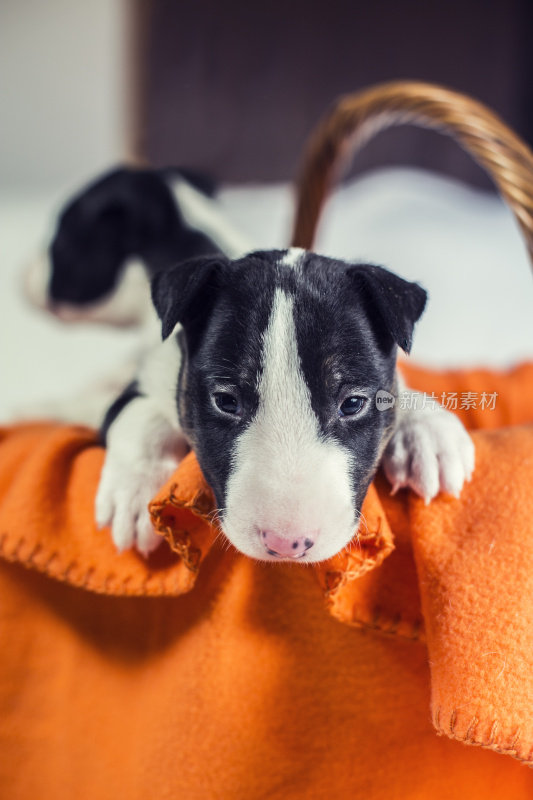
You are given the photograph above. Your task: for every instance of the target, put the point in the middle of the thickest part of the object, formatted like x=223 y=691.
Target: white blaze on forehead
x=285 y=477
x=284 y=397
x=293 y=256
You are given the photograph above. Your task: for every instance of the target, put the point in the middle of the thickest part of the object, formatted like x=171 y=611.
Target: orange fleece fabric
x=204 y=674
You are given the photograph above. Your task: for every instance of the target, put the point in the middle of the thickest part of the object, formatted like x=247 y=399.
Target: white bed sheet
x=460 y=244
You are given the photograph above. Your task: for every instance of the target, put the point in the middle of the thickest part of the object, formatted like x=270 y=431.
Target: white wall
x=63 y=103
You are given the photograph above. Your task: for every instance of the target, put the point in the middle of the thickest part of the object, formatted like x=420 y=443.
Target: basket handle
x=356 y=118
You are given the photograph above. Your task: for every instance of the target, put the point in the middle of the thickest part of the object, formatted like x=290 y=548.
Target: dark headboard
x=234 y=87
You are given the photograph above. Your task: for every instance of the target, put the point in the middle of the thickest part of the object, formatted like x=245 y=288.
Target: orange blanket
x=203 y=674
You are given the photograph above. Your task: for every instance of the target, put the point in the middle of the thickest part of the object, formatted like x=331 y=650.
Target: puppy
x=270 y=368
x=116 y=233
x=109 y=241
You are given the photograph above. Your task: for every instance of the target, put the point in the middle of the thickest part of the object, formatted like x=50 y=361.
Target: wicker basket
x=356 y=118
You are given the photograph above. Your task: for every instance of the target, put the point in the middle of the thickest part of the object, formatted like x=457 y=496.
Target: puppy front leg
x=143 y=450
x=429 y=451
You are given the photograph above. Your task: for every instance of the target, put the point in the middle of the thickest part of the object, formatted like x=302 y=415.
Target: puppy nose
x=286 y=546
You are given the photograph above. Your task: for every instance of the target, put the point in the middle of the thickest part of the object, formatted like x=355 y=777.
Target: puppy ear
x=183 y=293
x=394 y=303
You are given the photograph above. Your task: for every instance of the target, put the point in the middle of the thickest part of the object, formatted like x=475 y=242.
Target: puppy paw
x=429 y=452
x=122 y=501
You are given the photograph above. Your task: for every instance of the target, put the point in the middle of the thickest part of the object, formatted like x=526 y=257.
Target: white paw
x=122 y=500
x=429 y=452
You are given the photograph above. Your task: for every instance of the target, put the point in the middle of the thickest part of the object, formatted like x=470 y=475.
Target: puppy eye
x=227 y=403
x=352 y=405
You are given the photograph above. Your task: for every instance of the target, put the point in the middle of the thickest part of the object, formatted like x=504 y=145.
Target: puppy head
x=107 y=238
x=114 y=218
x=283 y=353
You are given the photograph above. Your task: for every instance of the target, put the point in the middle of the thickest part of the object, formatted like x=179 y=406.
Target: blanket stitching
x=487 y=744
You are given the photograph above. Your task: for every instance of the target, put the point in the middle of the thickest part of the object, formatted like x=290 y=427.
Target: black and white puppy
x=269 y=369
x=109 y=241
x=120 y=230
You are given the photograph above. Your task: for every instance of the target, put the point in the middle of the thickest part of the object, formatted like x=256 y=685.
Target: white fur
x=202 y=213
x=285 y=478
x=144 y=448
x=293 y=257
x=429 y=452
x=157 y=376
x=36 y=279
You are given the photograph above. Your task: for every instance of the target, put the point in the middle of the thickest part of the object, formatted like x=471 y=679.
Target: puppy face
x=283 y=353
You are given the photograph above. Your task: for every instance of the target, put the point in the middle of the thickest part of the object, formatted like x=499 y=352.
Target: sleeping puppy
x=110 y=239
x=269 y=369
x=116 y=233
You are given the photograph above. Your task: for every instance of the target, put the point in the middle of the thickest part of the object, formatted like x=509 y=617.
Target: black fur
x=182 y=293
x=395 y=304
x=224 y=348
x=129 y=393
x=125 y=213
